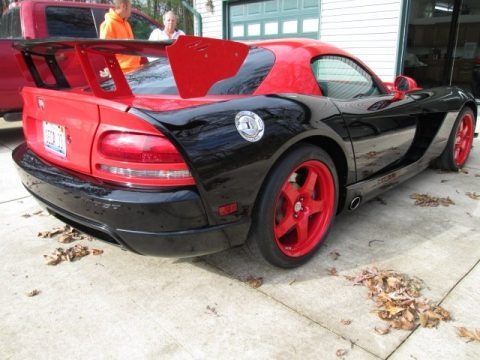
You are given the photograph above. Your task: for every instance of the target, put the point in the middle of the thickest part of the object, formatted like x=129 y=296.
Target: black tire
x=459 y=143
x=295 y=209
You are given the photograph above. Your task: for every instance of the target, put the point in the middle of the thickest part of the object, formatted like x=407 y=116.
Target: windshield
x=156 y=78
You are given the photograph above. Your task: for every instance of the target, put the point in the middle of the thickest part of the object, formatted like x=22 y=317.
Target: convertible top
x=197 y=63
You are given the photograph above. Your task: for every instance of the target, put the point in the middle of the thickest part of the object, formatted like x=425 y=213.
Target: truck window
x=10 y=27
x=70 y=22
x=141 y=26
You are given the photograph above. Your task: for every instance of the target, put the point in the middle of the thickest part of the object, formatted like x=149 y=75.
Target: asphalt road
x=118 y=305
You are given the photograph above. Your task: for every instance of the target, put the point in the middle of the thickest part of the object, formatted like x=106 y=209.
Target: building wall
x=369 y=29
x=212 y=20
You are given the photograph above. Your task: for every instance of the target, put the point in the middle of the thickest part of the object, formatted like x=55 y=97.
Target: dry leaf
x=212 y=309
x=444 y=314
x=332 y=271
x=97 y=251
x=341 y=352
x=334 y=255
x=254 y=282
x=34 y=292
x=65 y=238
x=346 y=322
x=382 y=331
x=468 y=335
x=409 y=316
x=51 y=233
x=473 y=195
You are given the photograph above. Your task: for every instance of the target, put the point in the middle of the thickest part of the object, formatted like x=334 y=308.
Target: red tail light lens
x=139 y=148
x=140 y=159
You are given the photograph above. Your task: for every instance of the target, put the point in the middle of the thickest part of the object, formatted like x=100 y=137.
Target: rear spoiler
x=197 y=63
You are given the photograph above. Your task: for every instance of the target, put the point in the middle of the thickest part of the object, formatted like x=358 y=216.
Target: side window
x=10 y=27
x=141 y=26
x=70 y=22
x=99 y=16
x=342 y=78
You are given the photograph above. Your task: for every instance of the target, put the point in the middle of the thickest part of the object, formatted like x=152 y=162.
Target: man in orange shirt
x=116 y=26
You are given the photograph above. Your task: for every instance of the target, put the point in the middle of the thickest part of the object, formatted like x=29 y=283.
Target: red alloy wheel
x=304 y=208
x=463 y=139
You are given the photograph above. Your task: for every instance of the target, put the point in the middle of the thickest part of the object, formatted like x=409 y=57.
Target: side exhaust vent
x=355 y=203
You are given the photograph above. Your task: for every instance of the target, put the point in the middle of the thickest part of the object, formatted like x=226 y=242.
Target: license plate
x=54 y=138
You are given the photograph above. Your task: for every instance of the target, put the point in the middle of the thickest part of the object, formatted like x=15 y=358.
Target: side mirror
x=404 y=84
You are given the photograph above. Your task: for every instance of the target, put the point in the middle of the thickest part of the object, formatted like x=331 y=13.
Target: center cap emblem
x=298 y=206
x=249 y=125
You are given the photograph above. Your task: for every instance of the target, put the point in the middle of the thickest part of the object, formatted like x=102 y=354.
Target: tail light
x=140 y=159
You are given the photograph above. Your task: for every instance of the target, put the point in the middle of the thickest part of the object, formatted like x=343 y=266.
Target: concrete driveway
x=118 y=305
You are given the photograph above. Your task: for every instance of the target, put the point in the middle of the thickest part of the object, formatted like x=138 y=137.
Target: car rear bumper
x=163 y=223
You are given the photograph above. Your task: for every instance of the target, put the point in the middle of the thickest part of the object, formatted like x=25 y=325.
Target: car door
x=381 y=127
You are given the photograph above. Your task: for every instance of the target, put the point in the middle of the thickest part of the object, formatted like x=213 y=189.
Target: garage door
x=273 y=19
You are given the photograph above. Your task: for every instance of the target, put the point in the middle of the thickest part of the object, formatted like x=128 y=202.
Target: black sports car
x=217 y=143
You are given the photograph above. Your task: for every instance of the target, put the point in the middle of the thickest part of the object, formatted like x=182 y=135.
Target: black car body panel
x=374 y=142
x=170 y=222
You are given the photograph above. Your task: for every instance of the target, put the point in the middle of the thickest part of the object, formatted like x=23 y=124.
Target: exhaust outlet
x=355 y=203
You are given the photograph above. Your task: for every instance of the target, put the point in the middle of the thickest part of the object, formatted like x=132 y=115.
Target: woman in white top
x=169 y=31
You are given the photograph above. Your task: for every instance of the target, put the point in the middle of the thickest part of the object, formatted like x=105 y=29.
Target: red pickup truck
x=37 y=19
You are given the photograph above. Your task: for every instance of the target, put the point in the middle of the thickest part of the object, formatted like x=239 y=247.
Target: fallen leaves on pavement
x=425 y=200
x=473 y=195
x=398 y=301
x=72 y=253
x=346 y=321
x=67 y=234
x=468 y=335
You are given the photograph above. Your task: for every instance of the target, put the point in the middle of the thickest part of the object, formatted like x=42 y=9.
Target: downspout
x=196 y=14
x=402 y=36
